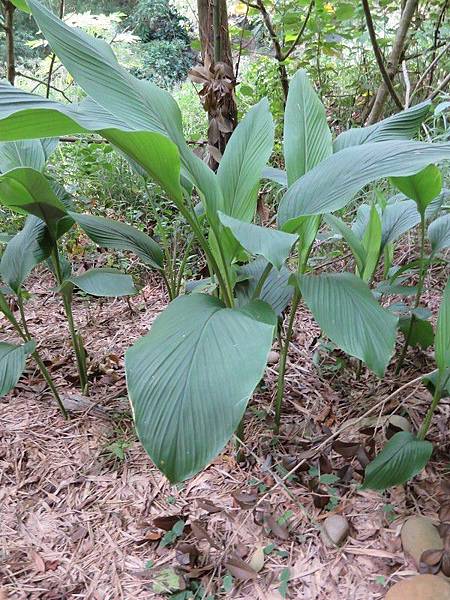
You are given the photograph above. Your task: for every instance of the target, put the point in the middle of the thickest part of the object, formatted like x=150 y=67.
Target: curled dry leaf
x=279 y=531
x=208 y=506
x=346 y=449
x=245 y=501
x=186 y=554
x=325 y=465
x=201 y=534
x=240 y=569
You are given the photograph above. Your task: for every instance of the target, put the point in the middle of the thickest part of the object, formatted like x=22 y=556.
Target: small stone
x=334 y=531
x=419 y=534
x=420 y=587
x=273 y=357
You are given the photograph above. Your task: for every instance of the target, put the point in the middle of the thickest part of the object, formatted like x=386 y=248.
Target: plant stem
x=262 y=280
x=183 y=266
x=283 y=359
x=240 y=438
x=436 y=397
x=76 y=340
x=26 y=336
x=420 y=284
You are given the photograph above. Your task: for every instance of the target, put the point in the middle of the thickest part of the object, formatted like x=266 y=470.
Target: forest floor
x=78 y=497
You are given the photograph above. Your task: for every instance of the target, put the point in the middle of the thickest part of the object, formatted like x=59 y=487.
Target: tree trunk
x=8 y=9
x=217 y=76
x=394 y=60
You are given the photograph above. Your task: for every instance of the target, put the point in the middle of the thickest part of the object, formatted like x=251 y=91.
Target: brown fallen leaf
x=245 y=501
x=278 y=530
x=208 y=506
x=166 y=522
x=201 y=534
x=37 y=561
x=240 y=569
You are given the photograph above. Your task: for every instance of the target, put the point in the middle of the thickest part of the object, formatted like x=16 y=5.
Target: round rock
x=273 y=357
x=420 y=587
x=419 y=534
x=334 y=530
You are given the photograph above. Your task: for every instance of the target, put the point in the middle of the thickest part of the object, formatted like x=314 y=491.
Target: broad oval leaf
x=104 y=282
x=243 y=161
x=26 y=153
x=27 y=248
x=276 y=291
x=276 y=175
x=422 y=187
x=27 y=191
x=333 y=183
x=401 y=126
x=403 y=457
x=439 y=233
x=12 y=364
x=189 y=380
x=349 y=315
x=273 y=244
x=442 y=338
x=307 y=137
x=120 y=236
x=397 y=219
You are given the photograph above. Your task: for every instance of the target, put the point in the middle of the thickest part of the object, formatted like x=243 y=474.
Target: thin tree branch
x=379 y=58
x=53 y=58
x=42 y=82
x=441 y=87
x=301 y=32
x=428 y=69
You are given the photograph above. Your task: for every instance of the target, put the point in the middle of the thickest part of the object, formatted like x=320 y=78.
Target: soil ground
x=76 y=518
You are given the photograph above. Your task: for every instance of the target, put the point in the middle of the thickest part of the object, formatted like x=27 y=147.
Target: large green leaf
x=420 y=332
x=142 y=105
x=12 y=364
x=243 y=161
x=27 y=191
x=120 y=236
x=277 y=175
x=27 y=116
x=439 y=233
x=403 y=457
x=26 y=153
x=333 y=183
x=442 y=338
x=190 y=379
x=28 y=248
x=397 y=219
x=349 y=315
x=401 y=126
x=276 y=291
x=422 y=187
x=307 y=137
x=273 y=244
x=104 y=282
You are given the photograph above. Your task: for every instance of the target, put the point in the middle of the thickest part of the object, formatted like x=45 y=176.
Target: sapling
x=405 y=455
x=11 y=371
